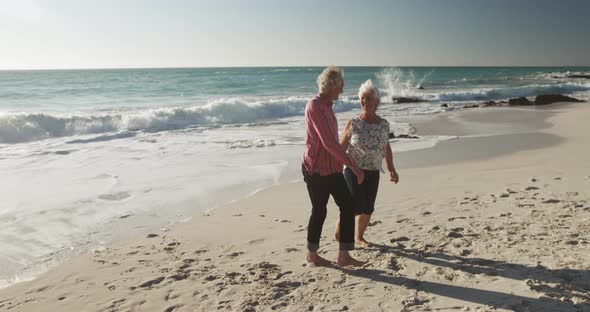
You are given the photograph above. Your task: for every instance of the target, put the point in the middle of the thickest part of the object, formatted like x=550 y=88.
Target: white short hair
x=330 y=77
x=368 y=87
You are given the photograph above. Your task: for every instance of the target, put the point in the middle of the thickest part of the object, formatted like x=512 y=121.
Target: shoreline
x=270 y=238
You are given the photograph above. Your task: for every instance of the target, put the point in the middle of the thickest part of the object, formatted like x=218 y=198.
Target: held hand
x=360 y=175
x=393 y=177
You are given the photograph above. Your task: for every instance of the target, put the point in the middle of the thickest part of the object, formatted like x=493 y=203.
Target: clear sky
x=182 y=33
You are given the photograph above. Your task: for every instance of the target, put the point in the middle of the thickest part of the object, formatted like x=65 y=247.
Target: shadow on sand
x=558 y=286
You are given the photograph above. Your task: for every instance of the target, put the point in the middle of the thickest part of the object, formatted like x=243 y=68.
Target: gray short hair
x=368 y=87
x=329 y=78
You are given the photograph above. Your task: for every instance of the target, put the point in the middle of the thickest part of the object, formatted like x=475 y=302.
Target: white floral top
x=367 y=143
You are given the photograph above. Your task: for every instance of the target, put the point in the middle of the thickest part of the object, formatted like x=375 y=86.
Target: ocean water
x=91 y=155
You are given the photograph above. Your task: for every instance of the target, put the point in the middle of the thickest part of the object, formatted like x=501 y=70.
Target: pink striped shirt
x=323 y=153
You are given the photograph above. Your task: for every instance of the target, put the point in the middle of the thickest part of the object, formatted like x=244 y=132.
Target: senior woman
x=323 y=161
x=366 y=141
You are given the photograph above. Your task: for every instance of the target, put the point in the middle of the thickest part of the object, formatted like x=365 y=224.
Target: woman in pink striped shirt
x=323 y=161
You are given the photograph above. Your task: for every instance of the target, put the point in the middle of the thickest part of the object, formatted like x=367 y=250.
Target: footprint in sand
x=172 y=308
x=456 y=218
x=115 y=305
x=399 y=239
x=415 y=302
x=171 y=296
x=38 y=290
x=171 y=246
x=114 y=196
x=465 y=252
x=235 y=254
x=181 y=275
x=395 y=265
x=210 y=278
x=152 y=282
x=453 y=234
x=526 y=205
x=249 y=305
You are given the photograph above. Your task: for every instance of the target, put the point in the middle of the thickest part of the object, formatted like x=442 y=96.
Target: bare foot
x=345 y=259
x=337 y=236
x=362 y=242
x=314 y=259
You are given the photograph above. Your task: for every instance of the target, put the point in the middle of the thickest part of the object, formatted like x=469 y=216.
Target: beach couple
x=361 y=149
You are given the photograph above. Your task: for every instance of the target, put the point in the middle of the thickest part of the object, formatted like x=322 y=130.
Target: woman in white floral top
x=366 y=140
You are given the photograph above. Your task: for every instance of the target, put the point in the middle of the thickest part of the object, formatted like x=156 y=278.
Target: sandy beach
x=490 y=221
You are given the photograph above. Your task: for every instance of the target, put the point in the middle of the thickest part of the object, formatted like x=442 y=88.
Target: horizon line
x=285 y=66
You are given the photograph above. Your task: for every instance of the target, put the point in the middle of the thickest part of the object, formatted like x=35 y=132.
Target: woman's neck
x=326 y=97
x=369 y=117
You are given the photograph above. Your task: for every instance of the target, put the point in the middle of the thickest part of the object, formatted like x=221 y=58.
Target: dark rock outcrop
x=445 y=105
x=402 y=136
x=471 y=106
x=521 y=101
x=545 y=99
x=489 y=103
x=579 y=76
x=400 y=100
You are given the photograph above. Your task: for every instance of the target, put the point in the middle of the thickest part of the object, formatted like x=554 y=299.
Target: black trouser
x=320 y=188
x=364 y=194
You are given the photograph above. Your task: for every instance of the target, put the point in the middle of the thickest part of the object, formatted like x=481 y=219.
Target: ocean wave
x=505 y=93
x=25 y=127
x=398 y=83
x=560 y=75
x=241 y=144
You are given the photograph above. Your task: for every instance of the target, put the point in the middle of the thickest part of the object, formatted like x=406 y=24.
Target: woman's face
x=337 y=90
x=370 y=102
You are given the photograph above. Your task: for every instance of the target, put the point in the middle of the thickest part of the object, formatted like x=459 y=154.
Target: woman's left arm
x=389 y=159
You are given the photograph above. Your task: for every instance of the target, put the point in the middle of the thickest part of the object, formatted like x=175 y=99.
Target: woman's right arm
x=345 y=138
